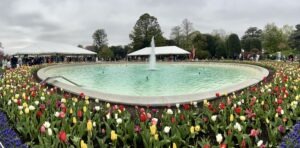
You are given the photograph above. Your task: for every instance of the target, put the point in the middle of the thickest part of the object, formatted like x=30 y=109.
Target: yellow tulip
x=174 y=145
x=87 y=102
x=74 y=120
x=25 y=104
x=153 y=129
x=82 y=144
x=156 y=136
x=89 y=125
x=197 y=128
x=192 y=129
x=113 y=135
x=231 y=118
x=242 y=118
x=84 y=109
x=71 y=111
x=26 y=110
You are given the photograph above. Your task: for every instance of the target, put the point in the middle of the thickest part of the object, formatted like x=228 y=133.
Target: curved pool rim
x=153 y=100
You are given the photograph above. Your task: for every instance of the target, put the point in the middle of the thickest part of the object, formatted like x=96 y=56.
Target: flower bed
x=256 y=117
x=8 y=137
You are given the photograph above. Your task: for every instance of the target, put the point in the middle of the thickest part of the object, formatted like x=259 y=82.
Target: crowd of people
x=14 y=61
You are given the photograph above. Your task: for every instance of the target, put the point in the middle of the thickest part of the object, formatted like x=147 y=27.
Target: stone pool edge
x=153 y=100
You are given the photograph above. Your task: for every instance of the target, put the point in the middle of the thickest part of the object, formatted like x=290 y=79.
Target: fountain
x=152 y=57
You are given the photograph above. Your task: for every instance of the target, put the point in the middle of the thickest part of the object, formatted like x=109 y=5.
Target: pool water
x=167 y=80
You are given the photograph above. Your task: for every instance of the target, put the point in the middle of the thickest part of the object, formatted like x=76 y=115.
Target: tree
x=200 y=44
x=187 y=28
x=146 y=27
x=273 y=39
x=100 y=38
x=252 y=39
x=220 y=48
x=79 y=46
x=119 y=52
x=176 y=35
x=105 y=53
x=233 y=46
x=220 y=33
x=294 y=39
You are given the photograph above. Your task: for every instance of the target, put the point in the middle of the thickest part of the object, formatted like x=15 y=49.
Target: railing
x=54 y=77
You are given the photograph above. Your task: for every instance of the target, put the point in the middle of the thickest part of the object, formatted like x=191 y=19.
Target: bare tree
x=187 y=29
x=176 y=34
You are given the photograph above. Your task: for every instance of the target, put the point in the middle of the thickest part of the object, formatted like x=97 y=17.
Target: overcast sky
x=74 y=21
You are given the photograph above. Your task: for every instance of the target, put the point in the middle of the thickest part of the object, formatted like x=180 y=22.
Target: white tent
x=47 y=48
x=164 y=50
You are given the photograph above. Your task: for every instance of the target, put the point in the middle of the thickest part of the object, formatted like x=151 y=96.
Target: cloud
x=74 y=21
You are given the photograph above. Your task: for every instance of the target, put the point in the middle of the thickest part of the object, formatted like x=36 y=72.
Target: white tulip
x=119 y=120
x=214 y=117
x=20 y=107
x=56 y=114
x=177 y=105
x=42 y=98
x=97 y=108
x=36 y=102
x=219 y=138
x=9 y=102
x=49 y=131
x=238 y=126
x=167 y=129
x=31 y=107
x=47 y=124
x=259 y=143
x=170 y=111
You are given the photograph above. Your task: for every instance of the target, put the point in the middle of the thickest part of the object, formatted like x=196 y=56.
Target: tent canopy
x=164 y=50
x=47 y=48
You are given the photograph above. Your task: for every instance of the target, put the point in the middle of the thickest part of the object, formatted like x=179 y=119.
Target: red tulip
x=217 y=95
x=62 y=136
x=143 y=117
x=173 y=119
x=39 y=114
x=42 y=107
x=186 y=106
x=19 y=102
x=62 y=115
x=182 y=117
x=223 y=145
x=237 y=110
x=222 y=105
x=278 y=110
x=279 y=101
x=79 y=113
x=121 y=107
x=206 y=146
x=254 y=133
x=243 y=144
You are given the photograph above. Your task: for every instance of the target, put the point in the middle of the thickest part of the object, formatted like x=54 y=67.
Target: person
x=147 y=78
x=14 y=62
x=8 y=64
x=20 y=62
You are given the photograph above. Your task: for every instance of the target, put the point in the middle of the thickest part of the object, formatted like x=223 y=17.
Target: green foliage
x=294 y=39
x=146 y=27
x=220 y=49
x=119 y=52
x=274 y=39
x=252 y=39
x=100 y=38
x=233 y=46
x=106 y=53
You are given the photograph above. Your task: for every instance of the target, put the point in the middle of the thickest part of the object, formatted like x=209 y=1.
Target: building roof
x=164 y=50
x=48 y=48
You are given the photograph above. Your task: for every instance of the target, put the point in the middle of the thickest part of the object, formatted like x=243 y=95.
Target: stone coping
x=155 y=100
